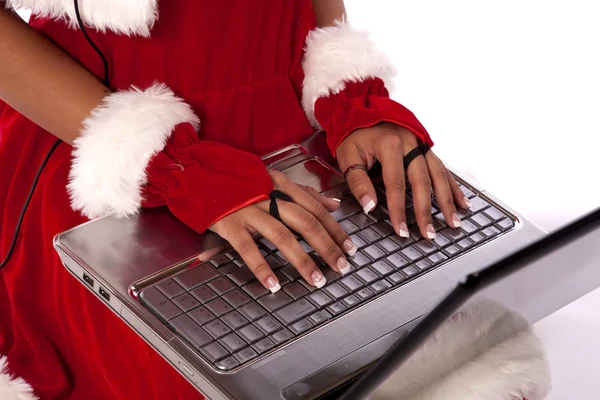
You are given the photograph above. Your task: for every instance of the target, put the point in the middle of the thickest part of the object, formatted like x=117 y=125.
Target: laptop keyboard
x=223 y=312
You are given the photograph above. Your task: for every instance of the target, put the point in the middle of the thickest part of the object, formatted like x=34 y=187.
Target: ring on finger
x=273 y=207
x=354 y=167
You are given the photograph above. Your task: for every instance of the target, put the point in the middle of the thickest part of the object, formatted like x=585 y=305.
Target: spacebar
x=295 y=311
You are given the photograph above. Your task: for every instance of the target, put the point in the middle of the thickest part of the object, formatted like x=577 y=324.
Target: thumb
x=357 y=178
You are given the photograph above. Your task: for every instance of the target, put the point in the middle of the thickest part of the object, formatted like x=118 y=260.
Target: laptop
x=193 y=300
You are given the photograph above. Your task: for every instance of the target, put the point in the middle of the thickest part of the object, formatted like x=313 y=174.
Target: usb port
x=104 y=293
x=88 y=280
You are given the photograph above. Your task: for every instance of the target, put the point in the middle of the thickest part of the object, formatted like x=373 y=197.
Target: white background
x=510 y=92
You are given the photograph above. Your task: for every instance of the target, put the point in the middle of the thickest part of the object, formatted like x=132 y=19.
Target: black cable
x=54 y=146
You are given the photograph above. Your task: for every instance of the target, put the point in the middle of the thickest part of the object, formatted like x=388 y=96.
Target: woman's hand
x=308 y=215
x=389 y=143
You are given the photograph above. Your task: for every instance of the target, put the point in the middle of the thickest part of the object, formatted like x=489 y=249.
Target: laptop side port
x=88 y=280
x=104 y=293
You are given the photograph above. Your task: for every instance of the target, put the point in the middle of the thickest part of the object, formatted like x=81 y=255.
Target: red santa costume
x=195 y=83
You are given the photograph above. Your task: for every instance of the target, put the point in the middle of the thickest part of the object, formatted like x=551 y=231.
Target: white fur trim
x=129 y=17
x=338 y=54
x=116 y=144
x=486 y=352
x=12 y=388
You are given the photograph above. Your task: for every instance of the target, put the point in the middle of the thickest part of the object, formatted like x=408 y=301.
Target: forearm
x=42 y=82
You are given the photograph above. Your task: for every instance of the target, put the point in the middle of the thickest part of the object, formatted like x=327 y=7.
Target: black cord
x=54 y=146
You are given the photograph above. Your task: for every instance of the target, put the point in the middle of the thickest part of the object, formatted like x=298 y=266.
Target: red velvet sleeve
x=361 y=105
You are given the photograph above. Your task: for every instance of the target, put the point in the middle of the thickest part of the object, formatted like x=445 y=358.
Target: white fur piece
x=338 y=54
x=129 y=17
x=12 y=388
x=116 y=144
x=486 y=352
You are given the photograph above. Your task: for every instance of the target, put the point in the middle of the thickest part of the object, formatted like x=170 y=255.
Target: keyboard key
x=378 y=215
x=191 y=331
x=245 y=355
x=301 y=326
x=468 y=193
x=318 y=260
x=349 y=206
x=214 y=351
x=375 y=252
x=268 y=324
x=219 y=307
x=490 y=232
x=478 y=204
x=383 y=229
x=306 y=247
x=361 y=220
x=411 y=218
x=280 y=336
x=229 y=268
x=291 y=272
x=283 y=279
x=159 y=303
x=350 y=283
x=186 y=302
x=481 y=220
x=440 y=219
x=232 y=342
x=242 y=276
x=335 y=291
x=295 y=290
x=201 y=315
x=234 y=320
x=319 y=298
x=382 y=268
x=204 y=294
x=441 y=241
x=308 y=286
x=240 y=263
x=196 y=276
x=221 y=285
x=252 y=311
x=295 y=311
x=351 y=301
x=364 y=293
x=331 y=275
x=336 y=308
x=319 y=316
x=250 y=333
x=494 y=214
x=409 y=271
x=358 y=241
x=217 y=328
x=273 y=263
x=263 y=345
x=369 y=235
x=505 y=224
x=267 y=245
x=396 y=260
x=359 y=259
x=465 y=244
x=236 y=298
x=366 y=275
x=437 y=258
x=469 y=227
x=463 y=213
x=274 y=301
x=451 y=250
x=380 y=286
x=282 y=258
x=453 y=234
x=170 y=288
x=423 y=264
x=411 y=253
x=388 y=245
x=348 y=226
x=227 y=363
x=396 y=278
x=255 y=289
x=477 y=238
x=414 y=233
x=426 y=247
x=220 y=260
x=232 y=254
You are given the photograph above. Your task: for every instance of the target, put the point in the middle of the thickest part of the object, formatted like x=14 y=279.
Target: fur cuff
x=336 y=55
x=117 y=143
x=129 y=17
x=484 y=352
x=12 y=388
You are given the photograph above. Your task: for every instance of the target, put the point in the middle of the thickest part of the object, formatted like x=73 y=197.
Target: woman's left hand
x=389 y=143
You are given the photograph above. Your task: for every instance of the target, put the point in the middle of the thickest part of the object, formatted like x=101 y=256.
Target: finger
x=359 y=182
x=393 y=179
x=243 y=243
x=334 y=230
x=441 y=188
x=457 y=193
x=418 y=175
x=287 y=243
x=330 y=203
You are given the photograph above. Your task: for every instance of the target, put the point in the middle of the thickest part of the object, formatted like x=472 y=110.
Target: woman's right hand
x=308 y=215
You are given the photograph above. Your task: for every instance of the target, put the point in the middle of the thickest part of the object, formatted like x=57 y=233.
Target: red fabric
x=202 y=181
x=362 y=105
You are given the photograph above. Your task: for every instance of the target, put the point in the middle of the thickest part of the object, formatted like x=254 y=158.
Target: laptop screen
x=490 y=307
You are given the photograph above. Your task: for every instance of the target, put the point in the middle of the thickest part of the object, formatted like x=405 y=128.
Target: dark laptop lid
x=529 y=284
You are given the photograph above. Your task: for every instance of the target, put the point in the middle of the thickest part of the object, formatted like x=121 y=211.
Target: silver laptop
x=196 y=303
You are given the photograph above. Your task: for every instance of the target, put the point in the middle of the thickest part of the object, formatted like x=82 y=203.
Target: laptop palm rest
x=326 y=383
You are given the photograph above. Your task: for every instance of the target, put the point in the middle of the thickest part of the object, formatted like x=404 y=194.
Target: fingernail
x=350 y=247
x=343 y=265
x=318 y=279
x=468 y=203
x=336 y=199
x=456 y=220
x=367 y=203
x=403 y=230
x=273 y=285
x=430 y=232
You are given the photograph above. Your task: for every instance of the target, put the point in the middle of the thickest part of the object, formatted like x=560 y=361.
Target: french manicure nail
x=343 y=265
x=318 y=279
x=430 y=232
x=350 y=247
x=273 y=285
x=403 y=230
x=468 y=203
x=367 y=203
x=456 y=220
x=336 y=199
